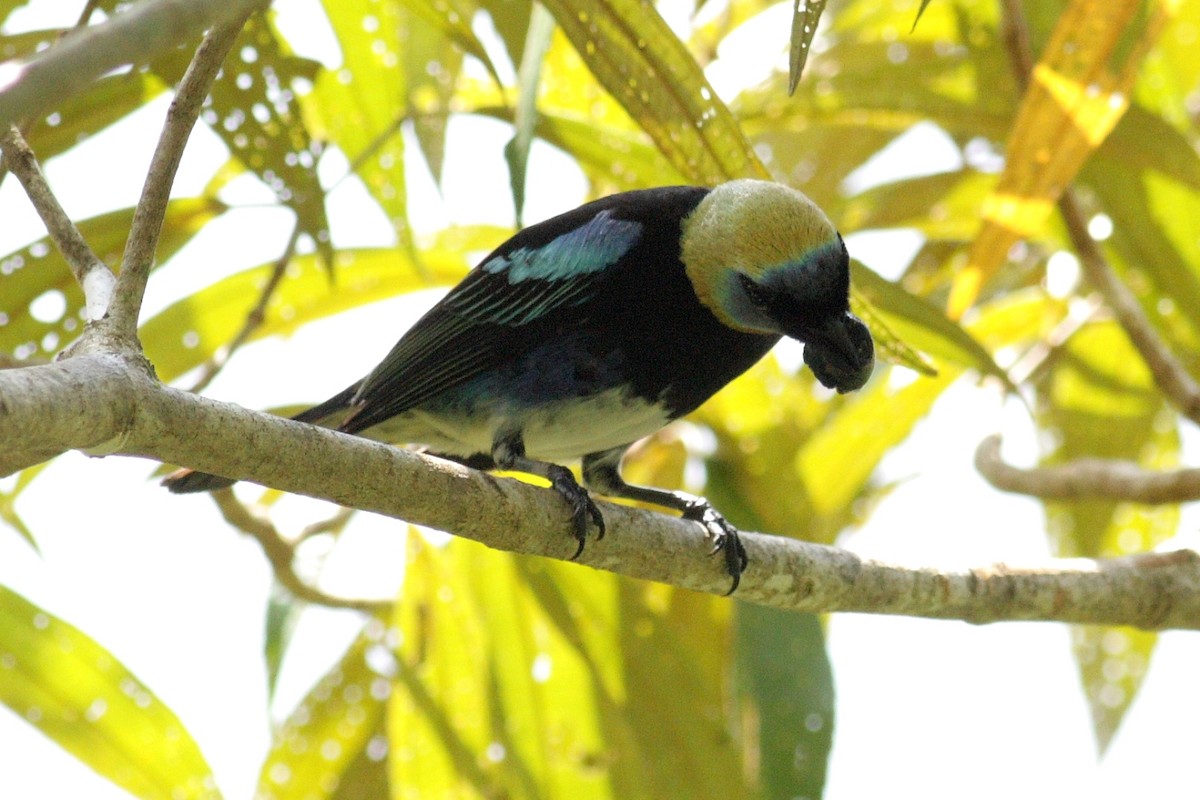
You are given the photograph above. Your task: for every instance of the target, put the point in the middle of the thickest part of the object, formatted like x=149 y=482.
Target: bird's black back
x=642 y=306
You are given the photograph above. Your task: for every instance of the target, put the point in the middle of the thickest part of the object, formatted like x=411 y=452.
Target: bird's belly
x=556 y=432
x=590 y=425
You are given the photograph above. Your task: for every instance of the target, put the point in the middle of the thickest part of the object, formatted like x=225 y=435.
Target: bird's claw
x=583 y=509
x=724 y=537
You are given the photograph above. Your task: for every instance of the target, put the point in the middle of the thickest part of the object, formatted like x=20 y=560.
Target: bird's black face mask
x=840 y=352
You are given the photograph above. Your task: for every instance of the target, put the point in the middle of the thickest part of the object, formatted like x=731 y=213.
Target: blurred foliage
x=506 y=676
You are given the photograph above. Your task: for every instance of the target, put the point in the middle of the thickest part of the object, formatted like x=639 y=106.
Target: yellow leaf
x=1073 y=102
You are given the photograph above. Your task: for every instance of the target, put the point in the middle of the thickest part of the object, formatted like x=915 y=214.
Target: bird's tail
x=188 y=481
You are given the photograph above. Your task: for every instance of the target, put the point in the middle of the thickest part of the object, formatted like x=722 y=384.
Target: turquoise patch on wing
x=589 y=248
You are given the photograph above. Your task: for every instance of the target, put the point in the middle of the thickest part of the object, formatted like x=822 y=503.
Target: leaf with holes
x=642 y=63
x=42 y=301
x=806 y=14
x=332 y=728
x=359 y=107
x=255 y=109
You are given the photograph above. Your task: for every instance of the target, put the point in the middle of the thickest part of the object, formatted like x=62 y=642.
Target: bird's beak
x=840 y=352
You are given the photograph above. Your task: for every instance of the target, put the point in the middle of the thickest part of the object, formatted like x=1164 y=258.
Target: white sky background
x=925 y=708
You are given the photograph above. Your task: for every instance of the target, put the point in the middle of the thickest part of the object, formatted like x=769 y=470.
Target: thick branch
x=93 y=275
x=152 y=206
x=89 y=401
x=135 y=36
x=1087 y=478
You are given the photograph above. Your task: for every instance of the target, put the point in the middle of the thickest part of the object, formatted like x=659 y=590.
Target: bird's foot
x=724 y=537
x=583 y=508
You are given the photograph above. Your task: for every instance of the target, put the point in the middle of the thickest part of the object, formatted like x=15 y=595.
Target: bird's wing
x=539 y=276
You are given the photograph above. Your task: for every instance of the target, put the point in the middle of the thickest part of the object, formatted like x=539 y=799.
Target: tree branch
x=1087 y=478
x=93 y=275
x=79 y=58
x=213 y=366
x=105 y=404
x=282 y=556
x=152 y=206
x=1176 y=383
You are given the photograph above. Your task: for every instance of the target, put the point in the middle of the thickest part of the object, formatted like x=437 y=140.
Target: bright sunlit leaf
x=332 y=727
x=1100 y=403
x=628 y=46
x=75 y=692
x=40 y=271
x=187 y=333
x=1075 y=98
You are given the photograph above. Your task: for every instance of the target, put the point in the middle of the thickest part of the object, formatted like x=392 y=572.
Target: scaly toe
x=724 y=537
x=583 y=508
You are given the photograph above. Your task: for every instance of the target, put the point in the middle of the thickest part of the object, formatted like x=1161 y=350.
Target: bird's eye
x=757 y=294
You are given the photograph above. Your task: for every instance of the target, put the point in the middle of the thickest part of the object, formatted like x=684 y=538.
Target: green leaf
x=806 y=15
x=76 y=693
x=9 y=6
x=40 y=269
x=761 y=421
x=24 y=45
x=1153 y=218
x=594 y=143
x=332 y=729
x=920 y=12
x=784 y=673
x=645 y=67
x=366 y=776
x=919 y=323
x=453 y=19
x=81 y=116
x=8 y=504
x=837 y=460
x=524 y=678
x=516 y=152
x=433 y=64
x=1100 y=401
x=490 y=702
x=360 y=106
x=188 y=333
x=1172 y=155
x=255 y=112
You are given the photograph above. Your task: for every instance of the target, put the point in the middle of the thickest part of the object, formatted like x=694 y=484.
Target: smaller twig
x=1171 y=376
x=371 y=150
x=254 y=319
x=1016 y=37
x=1087 y=478
x=152 y=206
x=1035 y=361
x=332 y=525
x=281 y=554
x=93 y=275
x=85 y=16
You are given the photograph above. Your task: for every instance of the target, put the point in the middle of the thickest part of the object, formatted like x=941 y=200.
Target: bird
x=587 y=332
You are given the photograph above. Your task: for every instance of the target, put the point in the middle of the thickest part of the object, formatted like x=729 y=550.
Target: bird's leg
x=601 y=473
x=480 y=461
x=508 y=453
